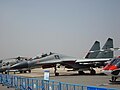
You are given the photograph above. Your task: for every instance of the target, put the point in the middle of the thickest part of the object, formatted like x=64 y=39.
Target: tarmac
x=5 y=88
x=99 y=80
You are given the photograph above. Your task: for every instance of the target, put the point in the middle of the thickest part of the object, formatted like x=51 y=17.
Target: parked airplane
x=48 y=61
x=6 y=64
x=51 y=60
x=104 y=55
x=113 y=69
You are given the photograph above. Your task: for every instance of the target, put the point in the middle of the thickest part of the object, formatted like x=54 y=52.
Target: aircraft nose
x=20 y=65
x=110 y=67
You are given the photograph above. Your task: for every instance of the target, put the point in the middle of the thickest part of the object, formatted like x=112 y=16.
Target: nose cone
x=20 y=65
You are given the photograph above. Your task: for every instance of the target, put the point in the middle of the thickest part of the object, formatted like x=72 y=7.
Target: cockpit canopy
x=116 y=62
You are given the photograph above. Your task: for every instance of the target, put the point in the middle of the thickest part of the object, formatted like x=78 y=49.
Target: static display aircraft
x=51 y=60
x=113 y=69
x=6 y=64
x=103 y=55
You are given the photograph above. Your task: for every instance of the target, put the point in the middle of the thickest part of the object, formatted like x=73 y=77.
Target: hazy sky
x=32 y=27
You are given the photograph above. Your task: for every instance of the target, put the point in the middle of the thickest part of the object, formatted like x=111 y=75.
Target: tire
x=56 y=74
x=81 y=73
x=92 y=72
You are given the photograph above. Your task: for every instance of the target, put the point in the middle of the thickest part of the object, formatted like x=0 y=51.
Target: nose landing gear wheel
x=113 y=79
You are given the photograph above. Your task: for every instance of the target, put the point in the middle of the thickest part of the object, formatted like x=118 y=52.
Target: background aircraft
x=113 y=69
x=6 y=64
x=100 y=60
x=51 y=60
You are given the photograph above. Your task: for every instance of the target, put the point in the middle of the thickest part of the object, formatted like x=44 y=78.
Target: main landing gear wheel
x=81 y=73
x=92 y=72
x=29 y=71
x=21 y=71
x=6 y=72
x=25 y=71
x=55 y=71
x=56 y=74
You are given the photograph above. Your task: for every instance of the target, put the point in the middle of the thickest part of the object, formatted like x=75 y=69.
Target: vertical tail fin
x=107 y=53
x=95 y=47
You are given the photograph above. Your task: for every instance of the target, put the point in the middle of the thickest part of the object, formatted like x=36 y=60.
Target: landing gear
x=29 y=71
x=113 y=79
x=21 y=71
x=92 y=72
x=55 y=71
x=56 y=74
x=81 y=73
x=25 y=71
x=6 y=72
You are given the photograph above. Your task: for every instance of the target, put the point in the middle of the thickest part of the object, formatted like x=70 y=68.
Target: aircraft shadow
x=85 y=74
x=114 y=83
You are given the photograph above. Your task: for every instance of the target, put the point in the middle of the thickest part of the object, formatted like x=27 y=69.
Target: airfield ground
x=99 y=79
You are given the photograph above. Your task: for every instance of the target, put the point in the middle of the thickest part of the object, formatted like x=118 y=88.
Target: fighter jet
x=51 y=60
x=5 y=64
x=101 y=59
x=113 y=69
